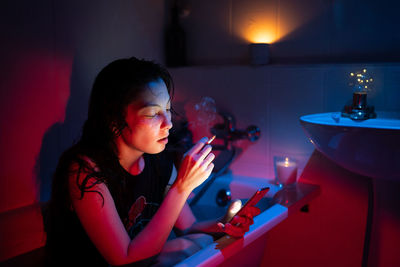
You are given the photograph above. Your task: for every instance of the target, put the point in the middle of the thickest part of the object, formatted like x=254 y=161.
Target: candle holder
x=285 y=171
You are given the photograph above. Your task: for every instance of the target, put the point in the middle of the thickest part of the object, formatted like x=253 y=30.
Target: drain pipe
x=368 y=228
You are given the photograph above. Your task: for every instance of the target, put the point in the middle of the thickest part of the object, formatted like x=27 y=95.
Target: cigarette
x=210 y=140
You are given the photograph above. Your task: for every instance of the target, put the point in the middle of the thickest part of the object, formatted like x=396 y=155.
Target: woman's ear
x=117 y=129
x=114 y=128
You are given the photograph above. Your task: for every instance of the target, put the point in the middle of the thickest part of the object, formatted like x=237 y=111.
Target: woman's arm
x=105 y=229
x=230 y=224
x=103 y=224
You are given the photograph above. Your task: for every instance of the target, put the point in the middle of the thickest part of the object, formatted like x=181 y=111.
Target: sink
x=370 y=147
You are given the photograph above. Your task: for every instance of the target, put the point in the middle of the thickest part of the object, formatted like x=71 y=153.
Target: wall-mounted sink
x=370 y=147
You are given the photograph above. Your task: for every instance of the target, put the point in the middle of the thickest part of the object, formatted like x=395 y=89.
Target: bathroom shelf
x=296 y=196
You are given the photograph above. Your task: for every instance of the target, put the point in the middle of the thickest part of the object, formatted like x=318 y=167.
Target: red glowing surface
x=33 y=97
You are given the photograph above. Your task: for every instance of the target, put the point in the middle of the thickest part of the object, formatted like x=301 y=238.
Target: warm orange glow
x=256 y=22
x=271 y=21
x=259 y=32
x=260 y=36
x=264 y=30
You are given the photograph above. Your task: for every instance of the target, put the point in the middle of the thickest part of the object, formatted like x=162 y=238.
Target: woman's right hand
x=196 y=166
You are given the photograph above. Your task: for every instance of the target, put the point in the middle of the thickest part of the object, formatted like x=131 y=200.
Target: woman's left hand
x=239 y=224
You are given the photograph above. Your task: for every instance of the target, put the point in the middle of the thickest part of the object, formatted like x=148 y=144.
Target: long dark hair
x=116 y=86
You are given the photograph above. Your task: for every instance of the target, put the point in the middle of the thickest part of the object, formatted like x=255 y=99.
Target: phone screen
x=258 y=195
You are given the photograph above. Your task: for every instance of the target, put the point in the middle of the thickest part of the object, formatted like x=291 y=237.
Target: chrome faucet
x=228 y=132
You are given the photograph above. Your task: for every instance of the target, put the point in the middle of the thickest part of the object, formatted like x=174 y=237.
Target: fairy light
x=359 y=81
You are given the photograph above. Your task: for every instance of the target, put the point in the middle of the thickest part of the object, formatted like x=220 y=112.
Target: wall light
x=259 y=54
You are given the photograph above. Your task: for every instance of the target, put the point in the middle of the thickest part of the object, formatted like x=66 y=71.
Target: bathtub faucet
x=227 y=130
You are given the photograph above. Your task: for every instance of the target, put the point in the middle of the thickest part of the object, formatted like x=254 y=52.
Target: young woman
x=116 y=195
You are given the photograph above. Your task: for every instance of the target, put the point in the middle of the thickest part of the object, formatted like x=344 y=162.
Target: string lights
x=361 y=81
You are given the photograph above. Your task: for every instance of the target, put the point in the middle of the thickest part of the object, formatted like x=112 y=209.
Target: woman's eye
x=151 y=116
x=168 y=110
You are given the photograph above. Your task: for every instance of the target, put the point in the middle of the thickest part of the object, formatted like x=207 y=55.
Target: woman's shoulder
x=89 y=163
x=82 y=165
x=84 y=174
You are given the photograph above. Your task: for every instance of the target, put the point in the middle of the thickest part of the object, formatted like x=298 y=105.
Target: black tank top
x=137 y=198
x=145 y=193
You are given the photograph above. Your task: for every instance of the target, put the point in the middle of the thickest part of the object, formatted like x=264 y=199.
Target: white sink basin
x=370 y=147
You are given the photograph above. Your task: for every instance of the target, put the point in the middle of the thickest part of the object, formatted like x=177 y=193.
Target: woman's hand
x=196 y=166
x=238 y=225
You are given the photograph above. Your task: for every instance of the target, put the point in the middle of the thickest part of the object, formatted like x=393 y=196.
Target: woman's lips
x=163 y=140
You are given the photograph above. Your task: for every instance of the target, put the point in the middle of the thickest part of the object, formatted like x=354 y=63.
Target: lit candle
x=286 y=171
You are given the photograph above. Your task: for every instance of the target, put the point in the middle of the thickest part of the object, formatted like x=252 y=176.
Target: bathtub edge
x=212 y=256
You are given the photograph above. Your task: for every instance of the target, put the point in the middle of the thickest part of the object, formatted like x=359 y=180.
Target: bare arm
x=103 y=224
x=105 y=229
x=187 y=222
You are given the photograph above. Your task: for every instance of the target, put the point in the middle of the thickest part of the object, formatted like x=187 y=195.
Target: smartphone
x=258 y=195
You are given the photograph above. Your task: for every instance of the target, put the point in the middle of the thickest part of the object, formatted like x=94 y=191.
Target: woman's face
x=148 y=120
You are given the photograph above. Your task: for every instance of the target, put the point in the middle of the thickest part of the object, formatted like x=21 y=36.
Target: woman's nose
x=167 y=123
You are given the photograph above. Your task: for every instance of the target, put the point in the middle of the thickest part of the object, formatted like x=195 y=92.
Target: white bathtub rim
x=211 y=256
x=233 y=182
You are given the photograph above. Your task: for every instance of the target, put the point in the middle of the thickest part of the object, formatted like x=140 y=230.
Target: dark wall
x=50 y=52
x=218 y=32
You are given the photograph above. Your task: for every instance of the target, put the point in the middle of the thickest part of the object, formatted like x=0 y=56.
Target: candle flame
x=286 y=162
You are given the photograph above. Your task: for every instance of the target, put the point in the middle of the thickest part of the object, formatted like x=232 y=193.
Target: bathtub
x=228 y=251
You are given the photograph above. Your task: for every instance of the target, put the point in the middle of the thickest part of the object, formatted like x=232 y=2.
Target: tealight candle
x=286 y=171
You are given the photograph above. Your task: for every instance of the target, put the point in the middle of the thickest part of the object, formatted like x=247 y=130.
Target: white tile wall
x=392 y=88
x=294 y=91
x=274 y=97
